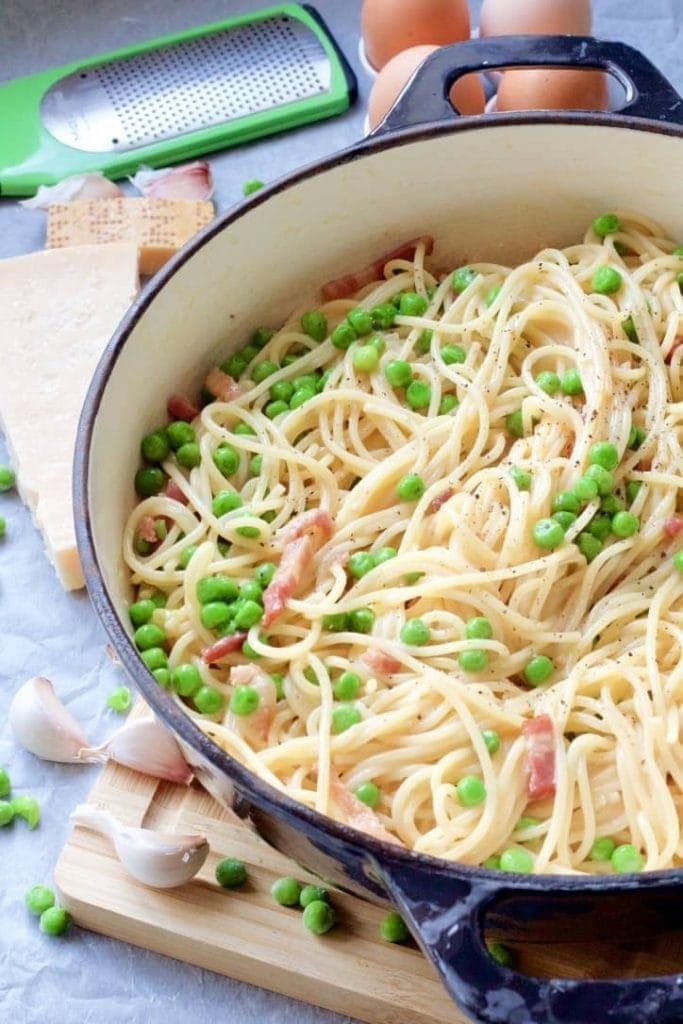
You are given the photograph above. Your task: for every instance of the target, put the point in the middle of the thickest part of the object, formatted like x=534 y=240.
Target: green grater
x=176 y=97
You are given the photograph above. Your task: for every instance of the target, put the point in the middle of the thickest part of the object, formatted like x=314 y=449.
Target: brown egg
x=552 y=89
x=466 y=95
x=389 y=26
x=534 y=17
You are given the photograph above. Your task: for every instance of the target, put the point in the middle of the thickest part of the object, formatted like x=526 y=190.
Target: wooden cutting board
x=244 y=934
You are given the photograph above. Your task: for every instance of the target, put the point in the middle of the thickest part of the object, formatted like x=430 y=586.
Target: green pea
x=309 y=893
x=231 y=873
x=300 y=396
x=368 y=793
x=500 y=953
x=547 y=534
x=276 y=408
x=600 y=526
x=514 y=423
x=337 y=622
x=314 y=324
x=54 y=921
x=382 y=555
x=318 y=917
x=410 y=487
x=365 y=358
x=629 y=329
x=626 y=859
x=586 y=489
x=216 y=588
x=612 y=504
x=38 y=899
x=566 y=501
x=344 y=716
x=565 y=519
x=602 y=849
x=548 y=382
x=361 y=620
x=492 y=862
x=517 y=860
x=247 y=614
x=208 y=700
x=478 y=628
x=186 y=679
x=677 y=561
x=264 y=573
x=162 y=676
x=142 y=547
x=492 y=740
x=462 y=278
x=141 y=612
x=632 y=489
x=453 y=354
x=392 y=928
x=149 y=481
x=474 y=659
x=347 y=686
x=538 y=670
x=5 y=784
x=383 y=316
x=625 y=524
x=6 y=813
x=290 y=358
x=180 y=433
x=447 y=404
x=418 y=394
x=224 y=502
x=343 y=336
x=360 y=320
x=260 y=371
x=377 y=342
x=244 y=701
x=148 y=636
x=3 y=526
x=250 y=532
x=471 y=790
x=396 y=300
x=606 y=224
x=243 y=429
x=636 y=437
x=589 y=546
x=280 y=391
x=424 y=341
x=605 y=454
x=235 y=365
x=27 y=807
x=603 y=479
x=262 y=336
x=415 y=632
x=286 y=892
x=360 y=563
x=8 y=478
x=120 y=699
x=251 y=590
x=398 y=373
x=154 y=658
x=412 y=304
x=606 y=281
x=251 y=186
x=571 y=383
x=215 y=614
x=186 y=555
x=154 y=447
x=189 y=455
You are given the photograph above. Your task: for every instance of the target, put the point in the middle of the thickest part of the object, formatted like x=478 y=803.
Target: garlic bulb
x=78 y=186
x=184 y=181
x=158 y=859
x=145 y=746
x=43 y=725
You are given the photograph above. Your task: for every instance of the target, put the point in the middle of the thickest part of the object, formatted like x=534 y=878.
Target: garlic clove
x=43 y=725
x=186 y=181
x=78 y=186
x=161 y=860
x=147 y=747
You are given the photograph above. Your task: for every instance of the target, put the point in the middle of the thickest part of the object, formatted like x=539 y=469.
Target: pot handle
x=445 y=912
x=425 y=99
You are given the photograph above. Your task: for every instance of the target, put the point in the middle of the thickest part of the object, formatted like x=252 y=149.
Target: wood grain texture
x=244 y=934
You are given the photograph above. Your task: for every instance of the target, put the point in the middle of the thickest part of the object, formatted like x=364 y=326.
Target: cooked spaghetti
x=415 y=561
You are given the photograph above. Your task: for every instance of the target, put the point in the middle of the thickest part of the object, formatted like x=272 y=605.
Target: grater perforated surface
x=187 y=86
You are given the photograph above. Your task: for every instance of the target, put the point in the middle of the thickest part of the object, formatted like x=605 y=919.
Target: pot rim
x=265 y=796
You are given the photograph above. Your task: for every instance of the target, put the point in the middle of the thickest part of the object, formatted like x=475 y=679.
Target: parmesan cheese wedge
x=58 y=309
x=159 y=227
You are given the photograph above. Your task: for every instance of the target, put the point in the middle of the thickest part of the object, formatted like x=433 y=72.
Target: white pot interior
x=498 y=192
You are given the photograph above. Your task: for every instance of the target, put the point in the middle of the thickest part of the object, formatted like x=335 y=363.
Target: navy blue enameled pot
x=500 y=186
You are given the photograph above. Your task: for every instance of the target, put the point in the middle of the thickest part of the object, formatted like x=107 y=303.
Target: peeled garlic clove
x=43 y=725
x=78 y=186
x=147 y=747
x=158 y=859
x=186 y=181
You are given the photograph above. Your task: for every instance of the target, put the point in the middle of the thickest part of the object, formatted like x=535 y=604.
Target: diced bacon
x=539 y=760
x=381 y=662
x=179 y=407
x=174 y=492
x=146 y=530
x=645 y=465
x=316 y=520
x=356 y=814
x=436 y=503
x=222 y=386
x=346 y=285
x=678 y=341
x=672 y=525
x=226 y=645
x=295 y=558
x=254 y=727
